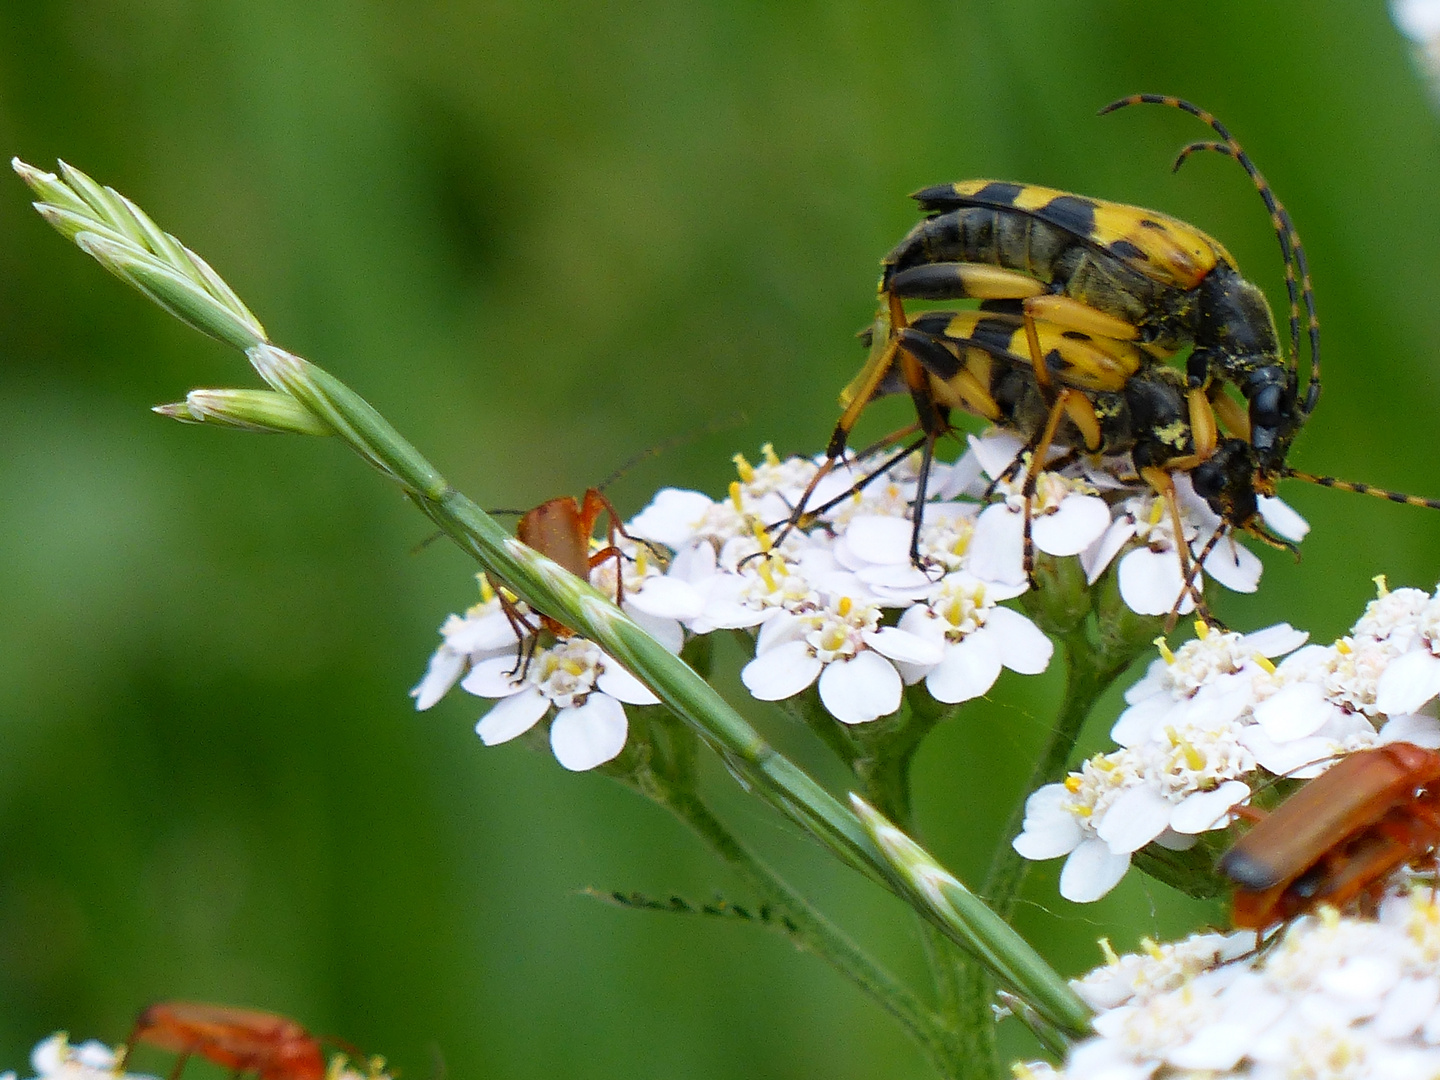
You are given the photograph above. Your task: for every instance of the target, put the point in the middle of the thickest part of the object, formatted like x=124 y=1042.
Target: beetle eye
x=1265 y=407
x=1207 y=478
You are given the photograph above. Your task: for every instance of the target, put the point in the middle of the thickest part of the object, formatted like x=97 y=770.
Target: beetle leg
x=1202 y=424
x=1163 y=484
x=594 y=505
x=1072 y=314
x=955 y=381
x=1193 y=591
x=1231 y=414
x=1037 y=355
x=1070 y=403
x=879 y=470
x=527 y=635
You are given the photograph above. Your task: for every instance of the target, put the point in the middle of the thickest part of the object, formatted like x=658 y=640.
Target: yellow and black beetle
x=1123 y=272
x=1107 y=271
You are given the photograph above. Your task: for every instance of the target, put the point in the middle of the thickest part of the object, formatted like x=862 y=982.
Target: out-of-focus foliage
x=542 y=237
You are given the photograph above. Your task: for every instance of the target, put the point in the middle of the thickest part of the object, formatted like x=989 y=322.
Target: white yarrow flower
x=974 y=639
x=1338 y=998
x=843 y=646
x=586 y=689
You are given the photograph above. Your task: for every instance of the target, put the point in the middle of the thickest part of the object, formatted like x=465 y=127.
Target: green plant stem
x=811 y=931
x=1089 y=669
x=880 y=755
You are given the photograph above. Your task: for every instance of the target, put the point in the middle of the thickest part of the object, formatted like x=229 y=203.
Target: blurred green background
x=542 y=237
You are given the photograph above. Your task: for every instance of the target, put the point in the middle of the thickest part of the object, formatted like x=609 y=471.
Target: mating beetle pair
x=1081 y=303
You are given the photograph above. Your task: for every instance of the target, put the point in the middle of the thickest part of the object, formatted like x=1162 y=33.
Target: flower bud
x=264 y=411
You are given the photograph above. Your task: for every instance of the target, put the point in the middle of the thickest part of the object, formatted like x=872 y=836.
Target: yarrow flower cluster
x=1216 y=717
x=840 y=604
x=1334 y=997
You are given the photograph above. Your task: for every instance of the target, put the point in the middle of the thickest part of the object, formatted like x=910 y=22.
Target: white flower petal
x=480 y=634
x=1296 y=711
x=671 y=517
x=1079 y=521
x=621 y=685
x=877 y=539
x=1151 y=582
x=48 y=1057
x=969 y=669
x=1406 y=1007
x=726 y=610
x=1022 y=646
x=837 y=482
x=512 y=716
x=493 y=678
x=1171 y=840
x=1091 y=871
x=898 y=644
x=1138 y=721
x=1050 y=829
x=1282 y=519
x=996 y=550
x=1151 y=683
x=1100 y=554
x=588 y=735
x=1286 y=759
x=667 y=597
x=1408 y=683
x=903 y=582
x=1135 y=818
x=695 y=564
x=1216 y=1047
x=1276 y=640
x=1417 y=728
x=1234 y=565
x=443 y=671
x=1361 y=977
x=860 y=689
x=996 y=450
x=962 y=479
x=781 y=672
x=1206 y=810
x=781 y=629
x=663 y=629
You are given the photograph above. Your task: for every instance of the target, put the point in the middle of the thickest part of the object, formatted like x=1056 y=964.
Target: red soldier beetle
x=265 y=1045
x=560 y=529
x=1340 y=837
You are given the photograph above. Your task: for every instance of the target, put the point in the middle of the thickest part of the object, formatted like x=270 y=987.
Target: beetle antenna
x=1292 y=250
x=1363 y=489
x=664 y=447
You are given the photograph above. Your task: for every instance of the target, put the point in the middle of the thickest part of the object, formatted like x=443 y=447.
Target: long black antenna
x=1363 y=489
x=733 y=421
x=1291 y=249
